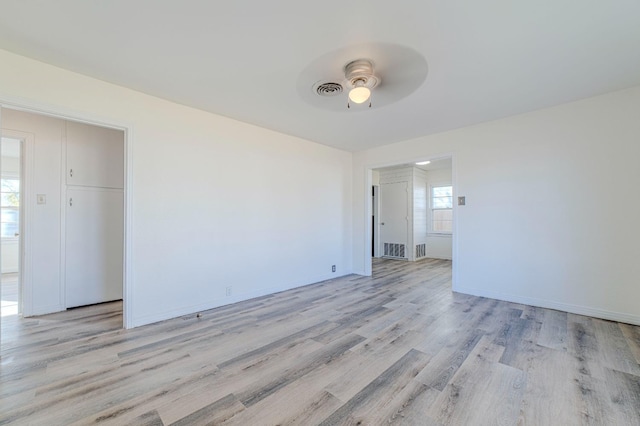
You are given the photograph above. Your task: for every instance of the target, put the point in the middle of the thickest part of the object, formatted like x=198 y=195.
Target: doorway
x=47 y=189
x=11 y=224
x=375 y=213
x=413 y=207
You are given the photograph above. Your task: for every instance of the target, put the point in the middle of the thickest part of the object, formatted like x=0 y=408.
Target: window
x=10 y=207
x=442 y=209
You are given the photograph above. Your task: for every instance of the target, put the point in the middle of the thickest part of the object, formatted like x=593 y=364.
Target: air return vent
x=394 y=250
x=421 y=250
x=328 y=88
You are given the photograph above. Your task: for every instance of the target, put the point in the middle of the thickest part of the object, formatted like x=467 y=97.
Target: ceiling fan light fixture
x=359 y=94
x=359 y=78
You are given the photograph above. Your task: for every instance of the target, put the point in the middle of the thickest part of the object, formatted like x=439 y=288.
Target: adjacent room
x=369 y=213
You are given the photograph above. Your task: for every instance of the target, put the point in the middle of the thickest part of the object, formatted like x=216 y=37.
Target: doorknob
x=16 y=234
x=381 y=223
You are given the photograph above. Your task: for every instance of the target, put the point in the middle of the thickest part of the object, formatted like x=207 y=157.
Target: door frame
x=63 y=113
x=25 y=267
x=375 y=217
x=368 y=203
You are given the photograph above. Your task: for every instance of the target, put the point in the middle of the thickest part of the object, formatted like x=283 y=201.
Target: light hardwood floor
x=9 y=294
x=395 y=348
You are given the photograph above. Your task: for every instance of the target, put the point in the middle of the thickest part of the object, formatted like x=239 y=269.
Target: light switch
x=42 y=198
x=461 y=201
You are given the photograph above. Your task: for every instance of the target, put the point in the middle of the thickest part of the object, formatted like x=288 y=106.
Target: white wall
x=376 y=178
x=47 y=133
x=215 y=203
x=552 y=213
x=420 y=210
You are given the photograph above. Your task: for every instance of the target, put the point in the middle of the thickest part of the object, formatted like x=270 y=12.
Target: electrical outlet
x=228 y=291
x=333 y=268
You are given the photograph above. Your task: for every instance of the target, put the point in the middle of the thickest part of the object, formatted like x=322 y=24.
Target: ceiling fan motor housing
x=359 y=73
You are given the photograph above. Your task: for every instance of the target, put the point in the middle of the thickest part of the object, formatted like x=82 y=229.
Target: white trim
x=368 y=182
x=27 y=197
x=438 y=184
x=57 y=111
x=376 y=210
x=63 y=219
x=550 y=304
x=127 y=279
x=228 y=300
x=454 y=236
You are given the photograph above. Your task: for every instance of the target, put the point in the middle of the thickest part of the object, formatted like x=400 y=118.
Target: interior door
x=394 y=219
x=94 y=246
x=94 y=156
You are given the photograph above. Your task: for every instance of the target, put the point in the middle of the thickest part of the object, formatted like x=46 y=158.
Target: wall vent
x=421 y=250
x=394 y=250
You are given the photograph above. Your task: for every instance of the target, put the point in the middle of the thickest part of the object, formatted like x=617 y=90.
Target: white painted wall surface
x=376 y=178
x=536 y=228
x=216 y=203
x=439 y=246
x=420 y=209
x=46 y=218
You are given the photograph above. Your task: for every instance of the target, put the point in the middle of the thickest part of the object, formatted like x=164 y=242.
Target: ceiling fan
x=360 y=79
x=336 y=73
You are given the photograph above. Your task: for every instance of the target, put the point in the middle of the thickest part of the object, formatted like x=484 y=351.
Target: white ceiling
x=245 y=59
x=435 y=164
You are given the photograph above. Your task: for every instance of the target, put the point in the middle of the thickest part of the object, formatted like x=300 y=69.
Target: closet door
x=95 y=156
x=93 y=246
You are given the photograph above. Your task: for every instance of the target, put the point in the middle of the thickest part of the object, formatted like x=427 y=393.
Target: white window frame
x=14 y=208
x=431 y=208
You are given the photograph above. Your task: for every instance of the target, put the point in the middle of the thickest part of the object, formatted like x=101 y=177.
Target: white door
x=94 y=246
x=95 y=156
x=394 y=219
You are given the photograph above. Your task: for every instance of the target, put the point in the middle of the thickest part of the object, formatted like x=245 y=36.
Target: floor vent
x=394 y=250
x=421 y=250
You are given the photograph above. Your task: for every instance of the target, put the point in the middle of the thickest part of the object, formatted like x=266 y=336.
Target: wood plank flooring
x=395 y=348
x=9 y=294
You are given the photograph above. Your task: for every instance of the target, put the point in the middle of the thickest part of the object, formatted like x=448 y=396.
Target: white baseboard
x=223 y=301
x=44 y=310
x=551 y=304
